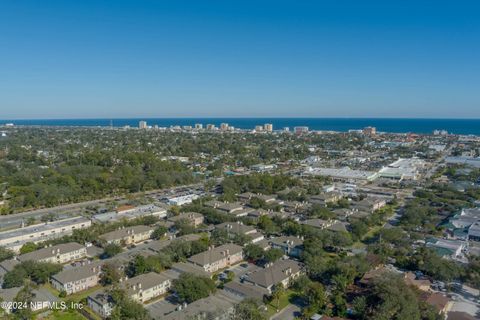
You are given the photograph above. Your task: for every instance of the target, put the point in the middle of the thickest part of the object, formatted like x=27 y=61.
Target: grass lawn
x=284 y=301
x=65 y=315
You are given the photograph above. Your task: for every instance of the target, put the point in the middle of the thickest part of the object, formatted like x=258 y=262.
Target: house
x=101 y=303
x=283 y=271
x=218 y=258
x=147 y=286
x=194 y=218
x=370 y=204
x=225 y=206
x=326 y=198
x=127 y=236
x=256 y=214
x=290 y=245
x=215 y=307
x=8 y=265
x=238 y=228
x=246 y=290
x=411 y=280
x=61 y=253
x=78 y=278
x=447 y=248
x=318 y=223
x=440 y=302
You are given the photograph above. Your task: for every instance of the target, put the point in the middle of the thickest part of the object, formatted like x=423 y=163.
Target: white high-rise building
x=142 y=124
x=268 y=127
x=198 y=126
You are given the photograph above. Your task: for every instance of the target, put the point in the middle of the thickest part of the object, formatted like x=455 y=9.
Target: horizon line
x=242 y=117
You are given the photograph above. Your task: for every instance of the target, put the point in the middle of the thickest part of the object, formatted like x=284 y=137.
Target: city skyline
x=134 y=59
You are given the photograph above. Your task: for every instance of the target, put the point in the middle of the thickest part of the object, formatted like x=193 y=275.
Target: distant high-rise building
x=268 y=127
x=198 y=126
x=286 y=129
x=300 y=130
x=142 y=124
x=258 y=128
x=210 y=126
x=224 y=126
x=369 y=131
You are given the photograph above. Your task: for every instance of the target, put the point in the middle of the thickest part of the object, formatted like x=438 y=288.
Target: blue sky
x=138 y=58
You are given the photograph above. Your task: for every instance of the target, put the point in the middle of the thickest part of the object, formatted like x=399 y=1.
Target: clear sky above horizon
x=139 y=58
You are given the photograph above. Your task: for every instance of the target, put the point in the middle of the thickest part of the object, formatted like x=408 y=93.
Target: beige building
x=194 y=218
x=61 y=253
x=78 y=278
x=283 y=271
x=218 y=258
x=127 y=236
x=147 y=286
x=15 y=239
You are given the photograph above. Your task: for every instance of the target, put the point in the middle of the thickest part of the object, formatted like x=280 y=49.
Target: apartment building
x=147 y=286
x=283 y=271
x=194 y=218
x=218 y=258
x=128 y=235
x=78 y=278
x=61 y=253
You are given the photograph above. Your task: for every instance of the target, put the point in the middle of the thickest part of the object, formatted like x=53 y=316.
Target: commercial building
x=218 y=258
x=130 y=213
x=142 y=124
x=300 y=130
x=468 y=161
x=268 y=127
x=181 y=200
x=127 y=236
x=61 y=253
x=343 y=174
x=15 y=239
x=403 y=169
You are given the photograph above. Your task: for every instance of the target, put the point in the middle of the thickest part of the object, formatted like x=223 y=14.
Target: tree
x=126 y=308
x=253 y=251
x=6 y=254
x=110 y=274
x=159 y=232
x=140 y=265
x=111 y=250
x=277 y=293
x=190 y=287
x=314 y=295
x=389 y=298
x=273 y=255
x=28 y=247
x=248 y=309
x=38 y=272
x=24 y=296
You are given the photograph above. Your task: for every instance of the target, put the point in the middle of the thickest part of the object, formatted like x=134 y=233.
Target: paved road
x=290 y=312
x=64 y=211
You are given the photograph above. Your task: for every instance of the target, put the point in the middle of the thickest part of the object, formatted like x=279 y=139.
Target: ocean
x=399 y=125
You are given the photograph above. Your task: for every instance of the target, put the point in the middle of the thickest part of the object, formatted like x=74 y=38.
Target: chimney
x=139 y=286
